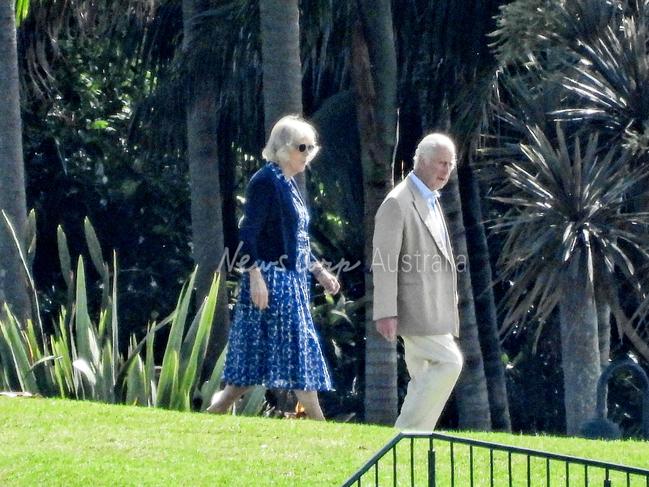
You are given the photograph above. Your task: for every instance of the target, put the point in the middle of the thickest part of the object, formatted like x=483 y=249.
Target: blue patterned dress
x=278 y=347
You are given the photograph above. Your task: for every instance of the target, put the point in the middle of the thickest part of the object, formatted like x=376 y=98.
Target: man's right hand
x=387 y=327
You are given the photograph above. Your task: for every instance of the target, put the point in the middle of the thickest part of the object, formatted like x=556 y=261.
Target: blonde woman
x=272 y=340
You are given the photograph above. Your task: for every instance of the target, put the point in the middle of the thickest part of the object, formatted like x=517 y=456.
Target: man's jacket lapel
x=427 y=218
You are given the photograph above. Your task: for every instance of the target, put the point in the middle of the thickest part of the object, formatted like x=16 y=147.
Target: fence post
x=431 y=468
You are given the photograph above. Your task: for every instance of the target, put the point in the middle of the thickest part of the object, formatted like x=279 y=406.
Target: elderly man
x=415 y=289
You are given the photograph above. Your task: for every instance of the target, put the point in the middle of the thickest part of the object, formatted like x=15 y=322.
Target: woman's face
x=296 y=156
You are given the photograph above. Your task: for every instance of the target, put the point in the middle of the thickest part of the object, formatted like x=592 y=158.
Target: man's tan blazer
x=414 y=270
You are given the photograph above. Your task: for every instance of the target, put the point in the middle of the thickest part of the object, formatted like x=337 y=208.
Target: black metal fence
x=437 y=459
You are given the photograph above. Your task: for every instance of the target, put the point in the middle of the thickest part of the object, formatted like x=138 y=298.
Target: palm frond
x=566 y=199
x=612 y=79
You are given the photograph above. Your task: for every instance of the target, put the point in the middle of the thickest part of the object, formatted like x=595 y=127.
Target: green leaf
x=7 y=368
x=64 y=256
x=149 y=370
x=22 y=11
x=114 y=324
x=19 y=247
x=94 y=247
x=205 y=318
x=135 y=384
x=63 y=370
x=86 y=370
x=169 y=380
x=99 y=124
x=103 y=326
x=341 y=315
x=167 y=387
x=30 y=237
x=133 y=354
x=254 y=401
x=212 y=385
x=86 y=337
x=106 y=379
x=13 y=336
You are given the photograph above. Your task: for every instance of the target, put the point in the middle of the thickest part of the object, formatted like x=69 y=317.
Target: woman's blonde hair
x=286 y=132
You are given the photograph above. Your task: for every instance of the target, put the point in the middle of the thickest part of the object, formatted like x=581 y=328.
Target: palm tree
x=206 y=201
x=611 y=87
x=604 y=38
x=595 y=61
x=13 y=284
x=281 y=65
x=479 y=308
x=485 y=306
x=375 y=80
x=566 y=229
x=471 y=390
x=471 y=116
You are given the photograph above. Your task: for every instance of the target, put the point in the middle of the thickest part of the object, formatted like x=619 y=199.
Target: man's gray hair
x=429 y=146
x=286 y=131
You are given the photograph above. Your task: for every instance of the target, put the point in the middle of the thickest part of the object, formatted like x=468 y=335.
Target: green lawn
x=57 y=442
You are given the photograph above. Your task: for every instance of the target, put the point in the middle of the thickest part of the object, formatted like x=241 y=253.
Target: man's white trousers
x=434 y=364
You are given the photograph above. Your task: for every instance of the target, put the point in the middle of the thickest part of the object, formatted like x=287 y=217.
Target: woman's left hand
x=328 y=281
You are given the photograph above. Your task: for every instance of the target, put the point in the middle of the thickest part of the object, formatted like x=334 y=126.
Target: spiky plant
x=80 y=359
x=568 y=231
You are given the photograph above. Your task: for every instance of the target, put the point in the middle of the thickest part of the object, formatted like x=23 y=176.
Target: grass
x=58 y=442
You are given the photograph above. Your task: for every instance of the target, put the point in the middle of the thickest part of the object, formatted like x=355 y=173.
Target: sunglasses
x=305 y=148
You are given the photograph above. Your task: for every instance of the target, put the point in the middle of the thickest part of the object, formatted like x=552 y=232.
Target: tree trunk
x=227 y=162
x=206 y=204
x=485 y=306
x=604 y=333
x=471 y=390
x=374 y=72
x=13 y=283
x=604 y=339
x=579 y=345
x=281 y=66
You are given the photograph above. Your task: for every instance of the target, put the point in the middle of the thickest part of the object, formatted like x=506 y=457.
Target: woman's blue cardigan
x=268 y=231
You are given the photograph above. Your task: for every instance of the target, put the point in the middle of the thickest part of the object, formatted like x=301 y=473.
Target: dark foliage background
x=104 y=137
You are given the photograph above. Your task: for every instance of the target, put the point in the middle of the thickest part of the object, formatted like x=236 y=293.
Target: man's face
x=437 y=168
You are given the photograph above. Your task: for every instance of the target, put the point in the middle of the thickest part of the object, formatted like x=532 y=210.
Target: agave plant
x=178 y=382
x=80 y=358
x=568 y=227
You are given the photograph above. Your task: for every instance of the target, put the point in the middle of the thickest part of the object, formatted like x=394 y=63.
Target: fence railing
x=437 y=460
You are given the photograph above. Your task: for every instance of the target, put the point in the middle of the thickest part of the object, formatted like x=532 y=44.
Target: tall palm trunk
x=375 y=79
x=206 y=201
x=579 y=345
x=604 y=333
x=281 y=65
x=485 y=306
x=604 y=339
x=13 y=285
x=471 y=390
